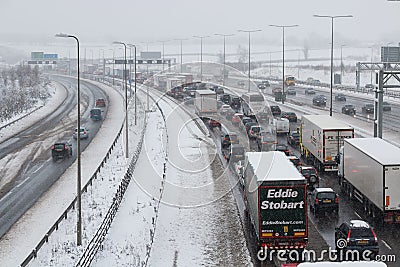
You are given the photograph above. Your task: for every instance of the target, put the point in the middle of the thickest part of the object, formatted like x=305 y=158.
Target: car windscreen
x=256 y=129
x=295 y=135
x=309 y=172
x=233 y=137
x=58 y=146
x=361 y=232
x=329 y=195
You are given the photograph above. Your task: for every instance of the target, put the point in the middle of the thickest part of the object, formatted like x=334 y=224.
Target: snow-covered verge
x=57 y=95
x=32 y=227
x=197 y=221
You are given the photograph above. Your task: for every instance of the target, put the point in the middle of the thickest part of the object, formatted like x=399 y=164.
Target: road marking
x=386 y=244
x=6 y=195
x=358 y=215
x=37 y=169
x=23 y=181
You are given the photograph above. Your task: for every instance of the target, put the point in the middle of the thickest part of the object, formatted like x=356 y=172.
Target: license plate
x=398 y=218
x=58 y=150
x=362 y=242
x=327 y=201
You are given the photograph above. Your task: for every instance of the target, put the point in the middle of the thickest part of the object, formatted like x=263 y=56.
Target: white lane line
x=386 y=244
x=23 y=181
x=357 y=215
x=38 y=169
x=7 y=195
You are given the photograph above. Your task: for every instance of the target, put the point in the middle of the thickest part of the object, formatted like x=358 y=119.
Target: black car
x=386 y=106
x=266 y=142
x=235 y=153
x=228 y=138
x=324 y=199
x=368 y=108
x=266 y=83
x=61 y=150
x=219 y=90
x=293 y=138
x=311 y=174
x=291 y=116
x=261 y=86
x=349 y=110
x=275 y=110
x=340 y=97
x=319 y=101
x=226 y=98
x=356 y=235
x=283 y=148
x=244 y=121
x=235 y=102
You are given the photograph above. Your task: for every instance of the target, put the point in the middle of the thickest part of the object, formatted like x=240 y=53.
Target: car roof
x=358 y=224
x=324 y=189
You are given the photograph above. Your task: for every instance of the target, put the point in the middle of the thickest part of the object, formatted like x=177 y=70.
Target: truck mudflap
x=281 y=244
x=331 y=168
x=391 y=217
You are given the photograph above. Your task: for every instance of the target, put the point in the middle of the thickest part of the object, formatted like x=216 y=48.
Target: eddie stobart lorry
x=275 y=201
x=369 y=172
x=321 y=137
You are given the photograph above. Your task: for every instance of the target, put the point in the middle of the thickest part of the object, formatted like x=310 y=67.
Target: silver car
x=84 y=133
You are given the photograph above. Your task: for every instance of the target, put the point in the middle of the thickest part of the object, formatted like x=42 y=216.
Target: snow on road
x=197 y=221
x=33 y=225
x=57 y=95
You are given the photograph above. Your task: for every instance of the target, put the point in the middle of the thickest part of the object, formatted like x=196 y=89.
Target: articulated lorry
x=321 y=137
x=205 y=103
x=369 y=171
x=275 y=201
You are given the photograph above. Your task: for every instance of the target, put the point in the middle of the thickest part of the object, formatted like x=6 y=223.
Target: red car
x=100 y=102
x=237 y=118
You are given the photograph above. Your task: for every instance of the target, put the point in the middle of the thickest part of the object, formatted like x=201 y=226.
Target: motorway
x=388 y=235
x=37 y=171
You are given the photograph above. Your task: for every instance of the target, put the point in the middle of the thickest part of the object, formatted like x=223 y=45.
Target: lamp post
x=181 y=50
x=223 y=72
x=134 y=46
x=163 y=43
x=78 y=151
x=126 y=102
x=341 y=62
x=249 y=32
x=104 y=62
x=283 y=55
x=113 y=65
x=201 y=54
x=332 y=19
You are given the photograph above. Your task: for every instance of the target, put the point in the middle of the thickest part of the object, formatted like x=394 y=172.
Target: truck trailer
x=321 y=137
x=275 y=201
x=369 y=171
x=205 y=103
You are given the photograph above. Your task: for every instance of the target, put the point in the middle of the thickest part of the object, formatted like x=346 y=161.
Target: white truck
x=369 y=171
x=321 y=137
x=281 y=125
x=205 y=103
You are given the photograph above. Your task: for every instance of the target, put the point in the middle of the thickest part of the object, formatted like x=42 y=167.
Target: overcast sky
x=375 y=21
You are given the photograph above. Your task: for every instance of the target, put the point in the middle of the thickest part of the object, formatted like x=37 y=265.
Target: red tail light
x=84 y=132
x=348 y=237
x=65 y=147
x=52 y=147
x=375 y=238
x=316 y=201
x=336 y=200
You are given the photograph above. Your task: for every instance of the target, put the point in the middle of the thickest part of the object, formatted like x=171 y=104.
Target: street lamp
x=126 y=102
x=283 y=55
x=134 y=46
x=78 y=150
x=341 y=62
x=224 y=36
x=163 y=43
x=332 y=18
x=113 y=65
x=104 y=62
x=201 y=54
x=249 y=32
x=181 y=49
